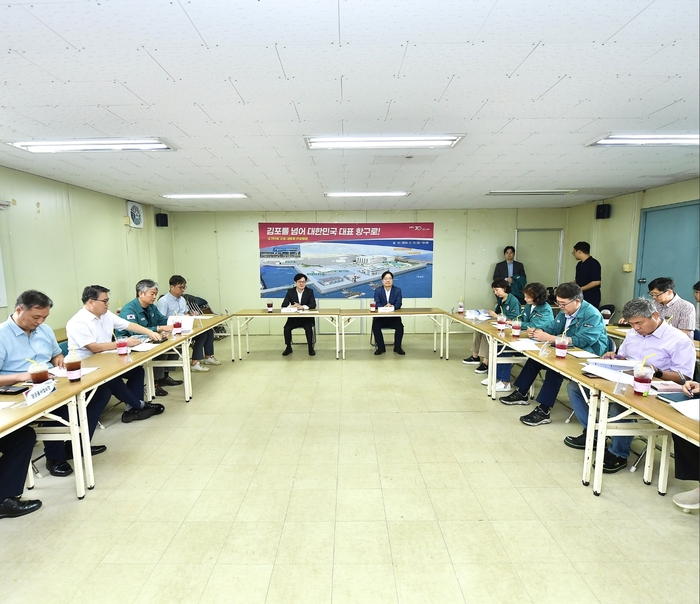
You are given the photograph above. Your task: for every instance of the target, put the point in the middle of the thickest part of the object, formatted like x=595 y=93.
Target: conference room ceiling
x=234 y=86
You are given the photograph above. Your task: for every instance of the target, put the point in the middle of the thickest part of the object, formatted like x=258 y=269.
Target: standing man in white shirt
x=91 y=330
x=173 y=303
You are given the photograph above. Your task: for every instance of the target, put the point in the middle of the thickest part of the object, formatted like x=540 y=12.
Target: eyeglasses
x=564 y=304
x=182 y=287
x=106 y=300
x=653 y=295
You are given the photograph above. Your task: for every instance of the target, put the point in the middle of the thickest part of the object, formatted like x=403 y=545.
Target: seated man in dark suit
x=16 y=455
x=300 y=298
x=513 y=272
x=385 y=297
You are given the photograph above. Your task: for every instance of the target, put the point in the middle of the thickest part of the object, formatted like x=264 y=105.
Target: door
x=669 y=246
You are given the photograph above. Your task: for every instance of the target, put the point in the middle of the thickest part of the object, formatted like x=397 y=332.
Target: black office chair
x=610 y=307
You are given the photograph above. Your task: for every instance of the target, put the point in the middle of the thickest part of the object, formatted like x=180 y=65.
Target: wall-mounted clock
x=135 y=212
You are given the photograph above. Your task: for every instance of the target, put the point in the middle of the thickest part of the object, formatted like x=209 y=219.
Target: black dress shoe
x=137 y=414
x=59 y=467
x=157 y=408
x=160 y=392
x=94 y=450
x=168 y=381
x=312 y=352
x=14 y=506
x=379 y=351
x=399 y=351
x=287 y=351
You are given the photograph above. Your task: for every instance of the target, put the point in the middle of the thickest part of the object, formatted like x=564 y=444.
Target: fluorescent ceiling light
x=646 y=140
x=92 y=145
x=535 y=192
x=207 y=196
x=382 y=142
x=369 y=194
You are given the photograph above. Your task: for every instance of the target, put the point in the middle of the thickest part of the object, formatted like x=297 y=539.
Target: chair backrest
x=64 y=347
x=612 y=347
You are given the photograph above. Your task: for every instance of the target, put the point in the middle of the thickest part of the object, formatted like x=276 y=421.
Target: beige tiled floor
x=389 y=480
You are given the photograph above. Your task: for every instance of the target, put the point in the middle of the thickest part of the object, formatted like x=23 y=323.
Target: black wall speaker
x=602 y=211
x=162 y=220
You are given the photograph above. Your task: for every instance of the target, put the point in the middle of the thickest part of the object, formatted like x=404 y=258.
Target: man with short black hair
x=670 y=306
x=512 y=271
x=172 y=304
x=299 y=297
x=90 y=331
x=389 y=297
x=672 y=357
x=584 y=329
x=588 y=273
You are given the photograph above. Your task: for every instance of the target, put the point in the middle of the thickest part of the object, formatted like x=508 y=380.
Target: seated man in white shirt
x=173 y=303
x=91 y=330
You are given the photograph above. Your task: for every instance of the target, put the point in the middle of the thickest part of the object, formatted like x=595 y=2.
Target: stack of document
x=610 y=369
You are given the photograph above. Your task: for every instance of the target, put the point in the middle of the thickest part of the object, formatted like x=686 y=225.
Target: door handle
x=642 y=280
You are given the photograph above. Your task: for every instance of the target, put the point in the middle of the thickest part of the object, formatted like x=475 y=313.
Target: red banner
x=274 y=233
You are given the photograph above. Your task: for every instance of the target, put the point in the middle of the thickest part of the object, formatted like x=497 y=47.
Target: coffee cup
x=561 y=345
x=269 y=306
x=501 y=322
x=122 y=346
x=515 y=328
x=372 y=307
x=642 y=379
x=73 y=367
x=177 y=328
x=39 y=372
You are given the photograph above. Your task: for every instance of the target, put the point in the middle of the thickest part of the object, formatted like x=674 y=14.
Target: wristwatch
x=658 y=373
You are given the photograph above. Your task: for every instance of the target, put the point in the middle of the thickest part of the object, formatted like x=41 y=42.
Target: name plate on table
x=385 y=309
x=38 y=392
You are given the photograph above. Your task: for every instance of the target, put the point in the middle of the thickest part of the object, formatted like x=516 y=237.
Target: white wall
x=59 y=238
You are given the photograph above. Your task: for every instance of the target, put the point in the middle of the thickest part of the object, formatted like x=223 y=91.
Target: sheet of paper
x=615 y=364
x=144 y=347
x=689 y=408
x=582 y=354
x=525 y=344
x=58 y=372
x=6 y=405
x=609 y=374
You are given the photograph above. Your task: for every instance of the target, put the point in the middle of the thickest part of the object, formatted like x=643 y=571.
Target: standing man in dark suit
x=512 y=271
x=300 y=298
x=388 y=296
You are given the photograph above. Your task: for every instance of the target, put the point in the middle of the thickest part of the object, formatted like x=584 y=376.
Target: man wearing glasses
x=584 y=328
x=90 y=331
x=670 y=306
x=172 y=304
